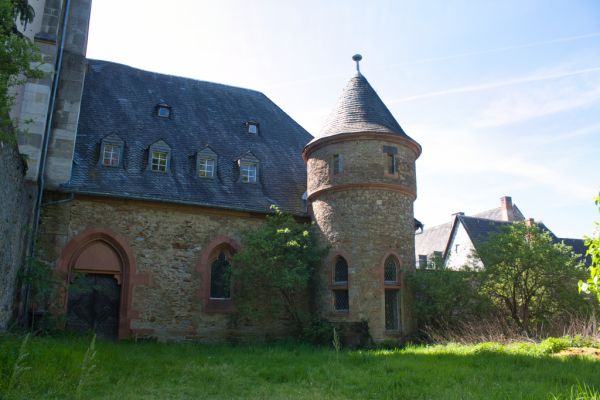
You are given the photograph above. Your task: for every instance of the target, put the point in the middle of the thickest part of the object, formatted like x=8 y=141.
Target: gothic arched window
x=220 y=278
x=341 y=300
x=392 y=286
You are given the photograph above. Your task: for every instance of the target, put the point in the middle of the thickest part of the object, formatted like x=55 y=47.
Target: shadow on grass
x=128 y=370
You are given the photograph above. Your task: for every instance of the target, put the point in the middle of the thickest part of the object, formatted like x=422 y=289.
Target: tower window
x=392 y=286
x=390 y=271
x=391 y=162
x=337 y=164
x=392 y=309
x=341 y=300
x=159 y=161
x=252 y=127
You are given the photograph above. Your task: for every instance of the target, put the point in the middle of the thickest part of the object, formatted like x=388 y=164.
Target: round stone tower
x=361 y=188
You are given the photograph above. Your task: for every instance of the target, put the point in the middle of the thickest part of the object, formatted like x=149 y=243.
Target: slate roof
x=359 y=109
x=433 y=239
x=479 y=230
x=118 y=99
x=497 y=214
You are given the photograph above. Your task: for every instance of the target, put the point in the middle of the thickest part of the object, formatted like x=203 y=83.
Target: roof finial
x=357 y=58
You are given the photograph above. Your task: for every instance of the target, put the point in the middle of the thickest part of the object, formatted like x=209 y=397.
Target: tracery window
x=341 y=298
x=392 y=286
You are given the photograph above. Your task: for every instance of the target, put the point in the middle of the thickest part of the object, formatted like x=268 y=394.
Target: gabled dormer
x=206 y=163
x=111 y=151
x=248 y=165
x=159 y=157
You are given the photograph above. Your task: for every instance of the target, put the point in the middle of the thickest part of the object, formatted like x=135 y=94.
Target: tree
x=19 y=58
x=272 y=271
x=528 y=275
x=592 y=284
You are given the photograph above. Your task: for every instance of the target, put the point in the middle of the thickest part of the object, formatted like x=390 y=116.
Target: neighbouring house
x=453 y=243
x=150 y=179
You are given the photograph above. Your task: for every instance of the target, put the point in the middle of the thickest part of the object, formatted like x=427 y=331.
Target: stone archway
x=100 y=263
x=94 y=293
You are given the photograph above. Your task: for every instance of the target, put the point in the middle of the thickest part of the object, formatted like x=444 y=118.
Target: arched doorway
x=102 y=259
x=94 y=293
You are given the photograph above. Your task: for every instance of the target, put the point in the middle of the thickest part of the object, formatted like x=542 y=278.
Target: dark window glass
x=391 y=163
x=341 y=302
x=337 y=164
x=340 y=273
x=220 y=278
x=390 y=271
x=392 y=310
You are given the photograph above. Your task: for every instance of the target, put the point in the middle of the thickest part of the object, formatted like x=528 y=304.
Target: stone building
x=149 y=179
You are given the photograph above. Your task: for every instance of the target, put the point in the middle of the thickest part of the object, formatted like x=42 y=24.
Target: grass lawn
x=52 y=368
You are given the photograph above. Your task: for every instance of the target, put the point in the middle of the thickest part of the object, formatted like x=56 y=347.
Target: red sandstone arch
x=97 y=250
x=210 y=252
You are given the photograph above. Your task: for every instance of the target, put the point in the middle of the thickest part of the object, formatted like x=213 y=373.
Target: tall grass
x=68 y=368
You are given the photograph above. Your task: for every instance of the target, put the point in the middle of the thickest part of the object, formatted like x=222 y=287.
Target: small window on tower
x=391 y=161
x=252 y=127
x=337 y=164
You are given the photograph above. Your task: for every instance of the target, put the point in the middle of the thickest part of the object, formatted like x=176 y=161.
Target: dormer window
x=163 y=110
x=248 y=168
x=252 y=127
x=206 y=162
x=159 y=157
x=111 y=155
x=159 y=161
x=111 y=151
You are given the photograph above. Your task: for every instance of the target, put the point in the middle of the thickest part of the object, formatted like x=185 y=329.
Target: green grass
x=52 y=368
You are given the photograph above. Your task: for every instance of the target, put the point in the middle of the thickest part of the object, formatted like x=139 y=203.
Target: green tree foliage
x=528 y=276
x=444 y=297
x=272 y=271
x=19 y=58
x=592 y=284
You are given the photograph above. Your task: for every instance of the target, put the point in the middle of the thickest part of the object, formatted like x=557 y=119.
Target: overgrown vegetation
x=525 y=290
x=129 y=370
x=273 y=270
x=592 y=284
x=529 y=277
x=19 y=59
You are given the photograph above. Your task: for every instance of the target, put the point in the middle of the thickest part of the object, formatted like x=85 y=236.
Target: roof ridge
x=161 y=74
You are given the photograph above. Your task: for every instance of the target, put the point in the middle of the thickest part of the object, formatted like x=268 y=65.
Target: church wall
x=168 y=243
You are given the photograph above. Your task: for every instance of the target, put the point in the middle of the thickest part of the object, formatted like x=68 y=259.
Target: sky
x=503 y=96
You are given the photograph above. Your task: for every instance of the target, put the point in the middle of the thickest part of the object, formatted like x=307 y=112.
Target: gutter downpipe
x=44 y=152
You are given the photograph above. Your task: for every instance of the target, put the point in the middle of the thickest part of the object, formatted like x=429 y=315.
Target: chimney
x=530 y=222
x=507 y=209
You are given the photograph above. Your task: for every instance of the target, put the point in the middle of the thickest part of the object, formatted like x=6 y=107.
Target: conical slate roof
x=360 y=109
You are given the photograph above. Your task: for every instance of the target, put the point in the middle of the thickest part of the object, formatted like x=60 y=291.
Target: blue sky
x=503 y=96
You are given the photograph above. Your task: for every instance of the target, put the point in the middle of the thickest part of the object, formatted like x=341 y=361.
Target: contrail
x=436 y=59
x=494 y=85
x=496 y=50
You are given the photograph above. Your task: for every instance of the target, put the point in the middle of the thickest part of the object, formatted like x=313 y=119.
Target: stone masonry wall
x=364 y=223
x=16 y=204
x=168 y=242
